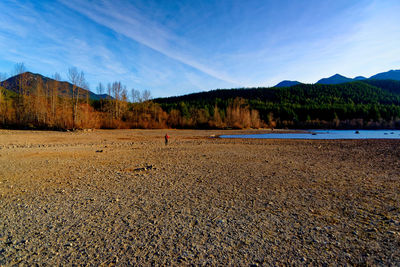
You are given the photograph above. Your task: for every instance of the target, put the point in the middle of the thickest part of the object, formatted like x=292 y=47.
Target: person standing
x=166 y=139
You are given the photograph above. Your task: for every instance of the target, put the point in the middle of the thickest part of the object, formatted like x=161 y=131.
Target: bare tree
x=146 y=95
x=53 y=92
x=124 y=101
x=38 y=105
x=135 y=95
x=108 y=104
x=109 y=90
x=19 y=68
x=136 y=98
x=100 y=89
x=117 y=90
x=3 y=77
x=78 y=81
x=57 y=76
x=124 y=94
x=85 y=86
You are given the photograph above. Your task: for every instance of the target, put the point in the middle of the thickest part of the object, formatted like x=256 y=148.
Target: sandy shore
x=123 y=197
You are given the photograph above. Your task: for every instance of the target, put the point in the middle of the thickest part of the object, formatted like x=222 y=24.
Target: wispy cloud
x=43 y=37
x=175 y=47
x=127 y=20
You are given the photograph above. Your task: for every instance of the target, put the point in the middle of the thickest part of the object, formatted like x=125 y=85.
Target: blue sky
x=178 y=47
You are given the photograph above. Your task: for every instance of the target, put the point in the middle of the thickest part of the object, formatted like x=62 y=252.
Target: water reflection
x=326 y=134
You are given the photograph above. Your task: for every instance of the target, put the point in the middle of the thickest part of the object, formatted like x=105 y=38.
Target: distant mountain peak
x=31 y=79
x=359 y=78
x=389 y=75
x=287 y=83
x=335 y=79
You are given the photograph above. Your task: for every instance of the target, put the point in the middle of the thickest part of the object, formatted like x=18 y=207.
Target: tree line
x=366 y=104
x=38 y=102
x=43 y=103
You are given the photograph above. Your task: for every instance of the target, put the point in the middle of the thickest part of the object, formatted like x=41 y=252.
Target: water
x=325 y=134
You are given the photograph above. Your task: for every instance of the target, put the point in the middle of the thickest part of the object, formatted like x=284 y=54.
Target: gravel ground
x=123 y=197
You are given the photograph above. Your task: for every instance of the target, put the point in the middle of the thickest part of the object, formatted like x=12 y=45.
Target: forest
x=366 y=104
x=32 y=101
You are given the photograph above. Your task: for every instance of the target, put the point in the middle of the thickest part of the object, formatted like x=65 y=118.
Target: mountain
x=339 y=79
x=389 y=75
x=335 y=79
x=359 y=78
x=286 y=83
x=31 y=80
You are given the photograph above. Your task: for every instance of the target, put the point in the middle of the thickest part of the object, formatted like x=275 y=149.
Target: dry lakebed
x=122 y=197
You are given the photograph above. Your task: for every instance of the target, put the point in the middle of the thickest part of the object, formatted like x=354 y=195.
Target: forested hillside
x=371 y=103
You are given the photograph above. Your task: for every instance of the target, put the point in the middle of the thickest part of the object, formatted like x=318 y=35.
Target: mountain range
x=65 y=88
x=338 y=79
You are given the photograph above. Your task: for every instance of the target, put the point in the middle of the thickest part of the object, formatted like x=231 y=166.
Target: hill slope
x=29 y=81
x=369 y=91
x=335 y=79
x=287 y=83
x=359 y=78
x=389 y=75
x=357 y=104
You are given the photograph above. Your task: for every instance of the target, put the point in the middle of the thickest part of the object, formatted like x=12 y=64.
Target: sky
x=179 y=47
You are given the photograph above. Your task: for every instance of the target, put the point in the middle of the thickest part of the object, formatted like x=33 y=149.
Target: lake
x=325 y=134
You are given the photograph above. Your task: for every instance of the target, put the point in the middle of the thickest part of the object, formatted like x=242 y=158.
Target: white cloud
x=137 y=27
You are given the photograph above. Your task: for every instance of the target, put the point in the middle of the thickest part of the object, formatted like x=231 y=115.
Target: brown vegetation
x=53 y=104
x=44 y=108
